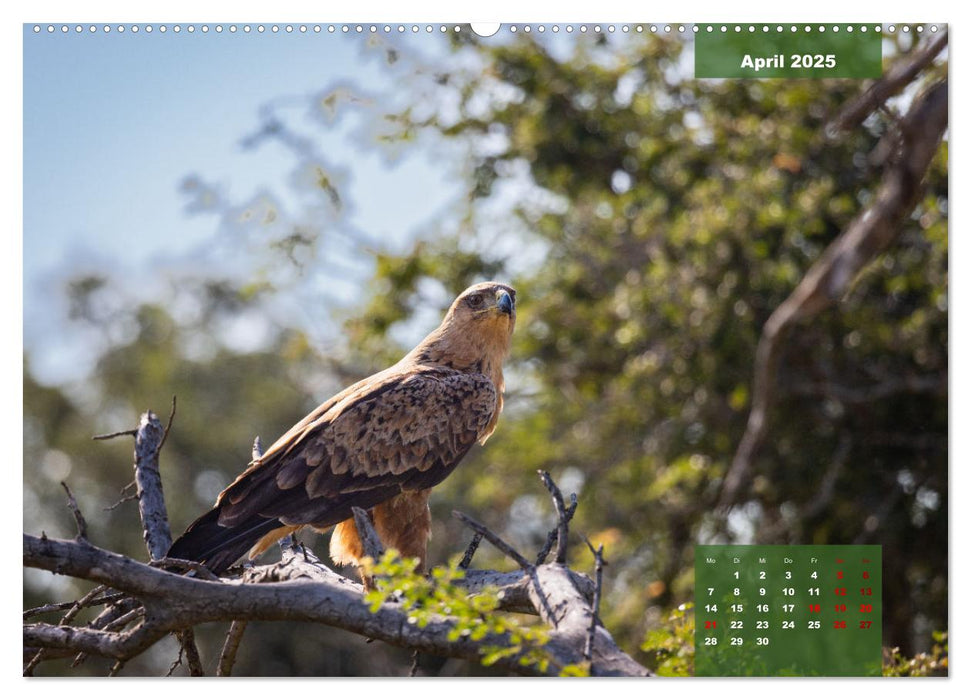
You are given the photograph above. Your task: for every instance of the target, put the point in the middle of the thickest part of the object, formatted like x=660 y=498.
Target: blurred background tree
x=651 y=223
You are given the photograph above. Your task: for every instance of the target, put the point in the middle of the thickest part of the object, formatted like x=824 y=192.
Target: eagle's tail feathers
x=218 y=547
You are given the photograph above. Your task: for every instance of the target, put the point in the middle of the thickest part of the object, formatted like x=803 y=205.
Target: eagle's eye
x=475 y=300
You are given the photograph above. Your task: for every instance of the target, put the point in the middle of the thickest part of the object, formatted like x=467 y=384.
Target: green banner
x=788 y=51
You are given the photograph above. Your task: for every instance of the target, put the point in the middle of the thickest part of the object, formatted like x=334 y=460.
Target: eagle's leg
x=403 y=523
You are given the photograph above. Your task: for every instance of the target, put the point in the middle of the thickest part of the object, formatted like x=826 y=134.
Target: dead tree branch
x=147 y=602
x=833 y=274
x=151 y=501
x=896 y=79
x=174 y=602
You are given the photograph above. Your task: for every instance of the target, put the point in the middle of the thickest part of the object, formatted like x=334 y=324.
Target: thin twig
x=177 y=662
x=110 y=614
x=57 y=607
x=552 y=537
x=562 y=519
x=108 y=436
x=228 y=656
x=494 y=539
x=120 y=622
x=124 y=498
x=470 y=551
x=168 y=426
x=185 y=565
x=595 y=611
x=78 y=518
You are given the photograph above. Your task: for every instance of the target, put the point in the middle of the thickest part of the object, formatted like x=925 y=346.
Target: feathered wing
x=399 y=430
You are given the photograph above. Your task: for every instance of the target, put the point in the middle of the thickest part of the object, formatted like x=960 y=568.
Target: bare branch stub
x=151 y=500
x=470 y=551
x=369 y=537
x=152 y=509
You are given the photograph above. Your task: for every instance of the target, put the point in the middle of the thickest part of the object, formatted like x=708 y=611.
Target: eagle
x=380 y=444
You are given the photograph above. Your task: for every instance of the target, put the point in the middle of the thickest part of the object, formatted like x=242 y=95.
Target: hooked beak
x=504 y=303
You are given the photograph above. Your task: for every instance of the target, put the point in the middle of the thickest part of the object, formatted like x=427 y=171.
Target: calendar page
x=385 y=343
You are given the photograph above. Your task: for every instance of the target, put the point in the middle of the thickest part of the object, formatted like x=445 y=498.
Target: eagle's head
x=476 y=332
x=486 y=309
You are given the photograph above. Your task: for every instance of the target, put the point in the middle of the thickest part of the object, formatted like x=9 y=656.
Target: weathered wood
x=151 y=500
x=173 y=602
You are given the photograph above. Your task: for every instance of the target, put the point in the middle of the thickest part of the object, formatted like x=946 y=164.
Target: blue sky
x=114 y=122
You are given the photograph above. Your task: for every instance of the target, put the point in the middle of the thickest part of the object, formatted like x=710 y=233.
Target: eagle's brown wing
x=403 y=430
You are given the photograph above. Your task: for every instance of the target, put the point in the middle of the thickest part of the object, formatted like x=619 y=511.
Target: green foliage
x=437 y=597
x=933 y=663
x=672 y=646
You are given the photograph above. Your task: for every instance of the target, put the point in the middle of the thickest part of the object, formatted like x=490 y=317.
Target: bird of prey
x=380 y=444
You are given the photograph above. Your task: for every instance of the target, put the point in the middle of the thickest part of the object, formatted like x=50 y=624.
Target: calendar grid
x=788 y=610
